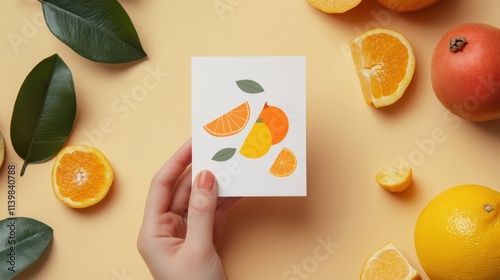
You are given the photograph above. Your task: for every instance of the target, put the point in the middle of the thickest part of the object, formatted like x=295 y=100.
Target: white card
x=249 y=124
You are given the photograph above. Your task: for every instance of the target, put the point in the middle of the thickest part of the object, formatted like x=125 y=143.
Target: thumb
x=201 y=211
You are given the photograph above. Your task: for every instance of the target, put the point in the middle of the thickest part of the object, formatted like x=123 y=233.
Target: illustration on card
x=269 y=129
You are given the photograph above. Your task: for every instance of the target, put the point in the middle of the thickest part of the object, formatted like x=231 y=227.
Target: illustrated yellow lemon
x=258 y=141
x=457 y=235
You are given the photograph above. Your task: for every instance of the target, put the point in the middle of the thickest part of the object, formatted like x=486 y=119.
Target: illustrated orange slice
x=284 y=164
x=229 y=123
x=81 y=176
x=388 y=263
x=385 y=64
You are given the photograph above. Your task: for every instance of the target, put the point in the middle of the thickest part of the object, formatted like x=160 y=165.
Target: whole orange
x=276 y=120
x=457 y=235
x=406 y=5
x=465 y=71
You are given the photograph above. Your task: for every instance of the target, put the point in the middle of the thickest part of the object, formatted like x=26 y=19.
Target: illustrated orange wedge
x=385 y=64
x=81 y=176
x=388 y=263
x=284 y=164
x=229 y=123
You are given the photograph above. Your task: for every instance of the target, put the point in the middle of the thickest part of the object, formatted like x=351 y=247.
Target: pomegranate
x=465 y=71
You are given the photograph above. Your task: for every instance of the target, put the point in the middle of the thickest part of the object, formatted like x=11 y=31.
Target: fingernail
x=206 y=181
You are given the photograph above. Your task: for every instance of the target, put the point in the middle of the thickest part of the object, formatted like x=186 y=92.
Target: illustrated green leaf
x=249 y=86
x=224 y=154
x=44 y=111
x=22 y=242
x=99 y=30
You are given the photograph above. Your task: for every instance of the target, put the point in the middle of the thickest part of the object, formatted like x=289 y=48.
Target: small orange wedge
x=284 y=164
x=81 y=176
x=229 y=123
x=388 y=263
x=396 y=179
x=334 y=6
x=385 y=64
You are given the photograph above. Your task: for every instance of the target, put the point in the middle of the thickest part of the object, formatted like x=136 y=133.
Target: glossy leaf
x=249 y=86
x=44 y=111
x=224 y=154
x=99 y=30
x=22 y=242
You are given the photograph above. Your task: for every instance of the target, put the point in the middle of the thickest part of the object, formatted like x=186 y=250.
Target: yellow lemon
x=457 y=235
x=258 y=141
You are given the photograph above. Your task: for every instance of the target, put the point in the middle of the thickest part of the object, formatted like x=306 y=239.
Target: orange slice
x=229 y=123
x=388 y=263
x=284 y=164
x=2 y=150
x=81 y=176
x=385 y=64
x=396 y=179
x=334 y=6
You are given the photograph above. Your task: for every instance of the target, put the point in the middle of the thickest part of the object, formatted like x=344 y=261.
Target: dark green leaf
x=224 y=154
x=22 y=242
x=249 y=86
x=99 y=30
x=44 y=111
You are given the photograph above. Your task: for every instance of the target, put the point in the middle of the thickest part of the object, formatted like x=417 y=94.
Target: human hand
x=181 y=222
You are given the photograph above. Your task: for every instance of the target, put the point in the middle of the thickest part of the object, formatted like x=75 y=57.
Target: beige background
x=347 y=140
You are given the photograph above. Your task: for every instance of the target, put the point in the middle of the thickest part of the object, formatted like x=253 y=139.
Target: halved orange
x=334 y=6
x=81 y=176
x=388 y=263
x=385 y=64
x=2 y=149
x=284 y=164
x=229 y=123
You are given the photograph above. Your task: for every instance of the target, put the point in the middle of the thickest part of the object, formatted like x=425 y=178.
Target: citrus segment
x=334 y=6
x=284 y=164
x=81 y=176
x=388 y=263
x=396 y=179
x=457 y=234
x=258 y=141
x=229 y=123
x=2 y=150
x=276 y=120
x=384 y=63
